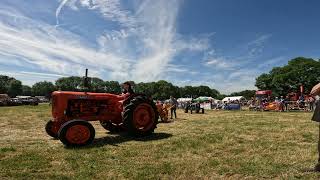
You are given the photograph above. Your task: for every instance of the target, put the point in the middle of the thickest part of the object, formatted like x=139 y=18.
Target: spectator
x=282 y=103
x=316 y=117
x=174 y=103
x=286 y=102
x=311 y=103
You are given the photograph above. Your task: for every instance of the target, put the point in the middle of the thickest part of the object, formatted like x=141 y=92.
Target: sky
x=224 y=44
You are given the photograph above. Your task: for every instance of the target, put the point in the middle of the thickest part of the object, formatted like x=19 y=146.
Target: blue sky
x=223 y=44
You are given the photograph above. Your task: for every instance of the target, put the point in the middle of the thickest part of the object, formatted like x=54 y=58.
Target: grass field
x=217 y=144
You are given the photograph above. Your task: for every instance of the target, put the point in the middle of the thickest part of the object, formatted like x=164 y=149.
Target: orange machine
x=72 y=111
x=272 y=106
x=163 y=110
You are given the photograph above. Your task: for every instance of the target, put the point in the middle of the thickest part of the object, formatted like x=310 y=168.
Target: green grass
x=215 y=145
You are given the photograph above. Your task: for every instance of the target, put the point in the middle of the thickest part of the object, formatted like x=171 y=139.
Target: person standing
x=174 y=103
x=311 y=103
x=316 y=117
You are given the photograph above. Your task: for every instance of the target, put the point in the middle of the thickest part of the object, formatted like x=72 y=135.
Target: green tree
x=282 y=80
x=15 y=88
x=196 y=91
x=188 y=91
x=72 y=83
x=43 y=88
x=146 y=88
x=5 y=83
x=97 y=85
x=112 y=87
x=164 y=89
x=26 y=90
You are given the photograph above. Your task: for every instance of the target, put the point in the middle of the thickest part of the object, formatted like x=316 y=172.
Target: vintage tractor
x=73 y=111
x=163 y=110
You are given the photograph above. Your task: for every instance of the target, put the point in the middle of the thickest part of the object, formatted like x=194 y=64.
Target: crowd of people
x=306 y=103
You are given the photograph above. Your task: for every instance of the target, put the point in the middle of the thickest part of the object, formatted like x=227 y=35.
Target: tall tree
x=282 y=80
x=26 y=90
x=97 y=85
x=72 y=83
x=15 y=88
x=43 y=88
x=4 y=83
x=112 y=87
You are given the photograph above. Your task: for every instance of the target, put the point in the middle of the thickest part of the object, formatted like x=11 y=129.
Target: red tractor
x=73 y=111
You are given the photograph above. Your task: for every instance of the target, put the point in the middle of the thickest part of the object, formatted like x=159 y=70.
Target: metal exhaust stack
x=85 y=82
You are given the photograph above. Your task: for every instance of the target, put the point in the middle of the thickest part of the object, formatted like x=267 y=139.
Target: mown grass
x=214 y=145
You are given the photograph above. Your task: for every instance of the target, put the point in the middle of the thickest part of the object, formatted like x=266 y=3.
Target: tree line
x=158 y=90
x=281 y=80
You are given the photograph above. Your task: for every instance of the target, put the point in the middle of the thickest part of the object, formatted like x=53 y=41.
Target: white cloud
x=142 y=48
x=256 y=46
x=54 y=50
x=110 y=9
x=149 y=29
x=61 y=5
x=220 y=63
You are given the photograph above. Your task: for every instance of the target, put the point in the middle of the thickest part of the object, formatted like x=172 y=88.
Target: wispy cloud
x=256 y=46
x=220 y=63
x=144 y=45
x=142 y=49
x=110 y=9
x=150 y=28
x=55 y=50
x=61 y=5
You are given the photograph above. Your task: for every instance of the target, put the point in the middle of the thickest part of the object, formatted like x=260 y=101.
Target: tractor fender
x=128 y=99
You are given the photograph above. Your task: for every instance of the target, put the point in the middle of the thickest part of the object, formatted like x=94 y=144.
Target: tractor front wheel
x=140 y=116
x=52 y=129
x=76 y=133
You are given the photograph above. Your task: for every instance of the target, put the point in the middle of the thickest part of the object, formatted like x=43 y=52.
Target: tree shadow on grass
x=115 y=140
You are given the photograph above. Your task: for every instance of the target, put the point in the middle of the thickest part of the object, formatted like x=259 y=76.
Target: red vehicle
x=73 y=111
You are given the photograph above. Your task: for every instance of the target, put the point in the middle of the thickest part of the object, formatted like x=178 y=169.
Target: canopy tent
x=203 y=99
x=264 y=92
x=184 y=99
x=234 y=98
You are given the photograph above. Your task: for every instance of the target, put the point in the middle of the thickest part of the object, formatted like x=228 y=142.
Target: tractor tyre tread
x=49 y=131
x=128 y=116
x=63 y=130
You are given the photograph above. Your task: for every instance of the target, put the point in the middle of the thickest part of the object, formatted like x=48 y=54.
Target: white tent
x=234 y=98
x=184 y=99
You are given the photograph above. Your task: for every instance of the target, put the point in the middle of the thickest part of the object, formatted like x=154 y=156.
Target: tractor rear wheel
x=140 y=116
x=112 y=127
x=51 y=129
x=76 y=133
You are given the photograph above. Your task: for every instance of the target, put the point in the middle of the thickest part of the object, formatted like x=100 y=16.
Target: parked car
x=4 y=98
x=42 y=99
x=30 y=101
x=15 y=102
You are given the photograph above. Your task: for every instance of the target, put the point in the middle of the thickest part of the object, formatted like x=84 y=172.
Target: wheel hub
x=78 y=134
